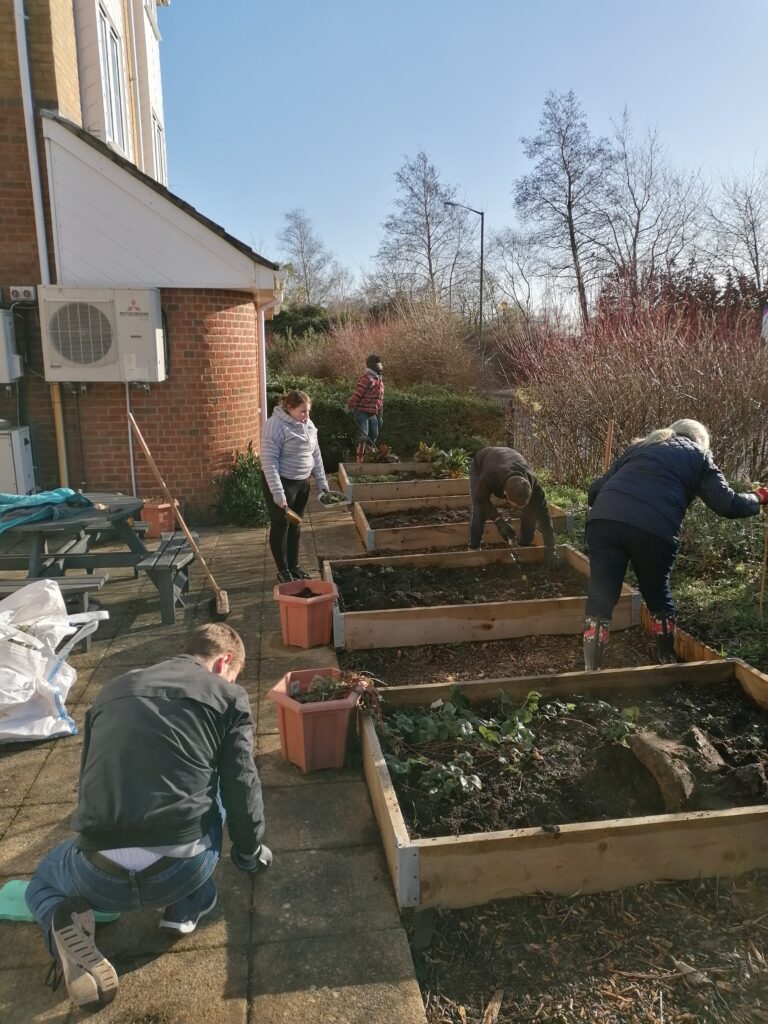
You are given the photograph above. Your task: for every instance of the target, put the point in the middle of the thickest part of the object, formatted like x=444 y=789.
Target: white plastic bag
x=34 y=678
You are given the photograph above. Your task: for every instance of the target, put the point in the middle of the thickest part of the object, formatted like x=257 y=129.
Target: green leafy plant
x=239 y=493
x=434 y=749
x=425 y=452
x=453 y=463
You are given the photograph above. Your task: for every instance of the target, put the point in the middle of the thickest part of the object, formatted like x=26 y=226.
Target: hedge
x=430 y=414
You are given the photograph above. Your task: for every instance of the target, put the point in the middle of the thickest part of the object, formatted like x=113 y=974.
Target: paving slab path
x=316 y=938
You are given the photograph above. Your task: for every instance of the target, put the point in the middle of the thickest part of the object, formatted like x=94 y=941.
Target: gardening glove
x=252 y=863
x=505 y=530
x=762 y=493
x=380 y=419
x=552 y=560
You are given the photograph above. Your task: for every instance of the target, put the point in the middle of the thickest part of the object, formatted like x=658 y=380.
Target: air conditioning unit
x=102 y=334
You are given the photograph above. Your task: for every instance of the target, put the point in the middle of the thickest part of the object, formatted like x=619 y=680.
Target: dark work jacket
x=489 y=471
x=652 y=485
x=158 y=744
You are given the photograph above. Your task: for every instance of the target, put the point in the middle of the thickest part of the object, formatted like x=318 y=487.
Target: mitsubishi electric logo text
x=134 y=309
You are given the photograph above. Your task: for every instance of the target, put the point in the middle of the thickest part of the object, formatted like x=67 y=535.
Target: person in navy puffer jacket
x=636 y=511
x=290 y=455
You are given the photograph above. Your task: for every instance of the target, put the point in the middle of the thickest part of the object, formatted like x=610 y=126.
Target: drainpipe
x=37 y=205
x=263 y=358
x=136 y=97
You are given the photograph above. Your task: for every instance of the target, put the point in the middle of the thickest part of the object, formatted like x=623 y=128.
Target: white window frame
x=112 y=82
x=158 y=150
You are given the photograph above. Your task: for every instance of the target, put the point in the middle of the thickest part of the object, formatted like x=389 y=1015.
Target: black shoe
x=90 y=978
x=299 y=574
x=285 y=577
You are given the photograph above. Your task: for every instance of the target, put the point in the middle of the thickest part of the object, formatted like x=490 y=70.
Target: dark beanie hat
x=372 y=362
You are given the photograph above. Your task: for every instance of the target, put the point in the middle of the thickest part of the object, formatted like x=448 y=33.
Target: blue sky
x=315 y=104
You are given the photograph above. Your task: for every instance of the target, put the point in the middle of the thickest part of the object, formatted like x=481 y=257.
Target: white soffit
x=110 y=228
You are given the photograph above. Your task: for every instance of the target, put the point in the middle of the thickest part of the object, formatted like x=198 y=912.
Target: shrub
x=430 y=414
x=240 y=496
x=643 y=370
x=420 y=345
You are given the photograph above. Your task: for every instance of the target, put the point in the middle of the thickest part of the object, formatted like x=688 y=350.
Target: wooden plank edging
x=461 y=871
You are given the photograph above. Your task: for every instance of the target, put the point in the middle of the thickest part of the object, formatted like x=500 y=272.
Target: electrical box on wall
x=10 y=362
x=102 y=334
x=17 y=468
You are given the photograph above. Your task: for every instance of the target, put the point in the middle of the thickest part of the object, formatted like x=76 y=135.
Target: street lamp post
x=481 y=215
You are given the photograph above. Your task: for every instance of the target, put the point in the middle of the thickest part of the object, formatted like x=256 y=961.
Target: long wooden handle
x=763 y=573
x=608 y=447
x=173 y=504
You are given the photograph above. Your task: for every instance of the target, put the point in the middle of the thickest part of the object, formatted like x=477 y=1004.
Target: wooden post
x=761 y=603
x=608 y=447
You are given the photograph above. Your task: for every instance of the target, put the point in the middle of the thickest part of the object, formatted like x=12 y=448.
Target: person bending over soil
x=504 y=473
x=636 y=511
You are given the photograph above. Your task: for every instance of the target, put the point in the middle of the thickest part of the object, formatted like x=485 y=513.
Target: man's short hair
x=215 y=639
x=518 y=491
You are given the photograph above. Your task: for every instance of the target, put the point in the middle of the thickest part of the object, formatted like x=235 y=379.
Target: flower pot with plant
x=159 y=514
x=315 y=712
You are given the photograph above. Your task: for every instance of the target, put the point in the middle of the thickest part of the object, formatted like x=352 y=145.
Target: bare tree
x=515 y=274
x=741 y=224
x=561 y=192
x=311 y=266
x=428 y=248
x=648 y=217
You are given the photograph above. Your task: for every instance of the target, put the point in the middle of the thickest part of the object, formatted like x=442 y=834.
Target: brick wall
x=193 y=422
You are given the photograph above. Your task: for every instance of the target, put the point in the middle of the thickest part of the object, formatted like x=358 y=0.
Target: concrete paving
x=319 y=936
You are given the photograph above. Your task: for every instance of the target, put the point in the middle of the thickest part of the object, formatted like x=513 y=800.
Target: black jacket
x=489 y=471
x=652 y=485
x=158 y=744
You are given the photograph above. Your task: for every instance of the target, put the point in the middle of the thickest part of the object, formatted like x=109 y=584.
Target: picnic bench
x=168 y=568
x=75 y=588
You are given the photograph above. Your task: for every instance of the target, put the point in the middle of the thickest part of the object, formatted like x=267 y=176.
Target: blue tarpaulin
x=20 y=509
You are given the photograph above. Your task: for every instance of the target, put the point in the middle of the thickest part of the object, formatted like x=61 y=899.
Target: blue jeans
x=368 y=425
x=66 y=872
x=612 y=546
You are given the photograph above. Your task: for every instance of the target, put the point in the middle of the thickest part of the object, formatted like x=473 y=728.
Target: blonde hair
x=215 y=639
x=293 y=399
x=518 y=490
x=691 y=429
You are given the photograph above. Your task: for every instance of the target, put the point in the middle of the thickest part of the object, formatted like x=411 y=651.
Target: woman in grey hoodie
x=290 y=454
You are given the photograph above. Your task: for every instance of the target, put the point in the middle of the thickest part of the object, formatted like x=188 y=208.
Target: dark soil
x=526 y=656
x=419 y=517
x=365 y=588
x=613 y=958
x=575 y=771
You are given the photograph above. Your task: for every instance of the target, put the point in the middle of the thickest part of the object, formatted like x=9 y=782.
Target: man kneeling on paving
x=164 y=748
x=504 y=473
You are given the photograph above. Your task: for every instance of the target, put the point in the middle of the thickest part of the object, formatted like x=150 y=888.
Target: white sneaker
x=90 y=978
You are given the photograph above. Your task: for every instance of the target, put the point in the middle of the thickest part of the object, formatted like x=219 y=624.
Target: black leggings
x=284 y=535
x=612 y=546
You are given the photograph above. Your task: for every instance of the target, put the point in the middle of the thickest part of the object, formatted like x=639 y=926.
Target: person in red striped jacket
x=367 y=404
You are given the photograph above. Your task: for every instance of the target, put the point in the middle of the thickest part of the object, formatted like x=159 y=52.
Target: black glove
x=552 y=560
x=252 y=863
x=505 y=530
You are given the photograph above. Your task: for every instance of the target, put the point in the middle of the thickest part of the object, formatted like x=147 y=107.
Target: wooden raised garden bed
x=459 y=623
x=435 y=534
x=592 y=856
x=409 y=480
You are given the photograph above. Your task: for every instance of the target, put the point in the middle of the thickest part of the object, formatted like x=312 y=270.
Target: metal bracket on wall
x=408 y=889
x=636 y=605
x=370 y=543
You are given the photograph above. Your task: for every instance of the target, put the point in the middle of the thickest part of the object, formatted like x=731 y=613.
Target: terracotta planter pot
x=306 y=621
x=312 y=736
x=160 y=517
